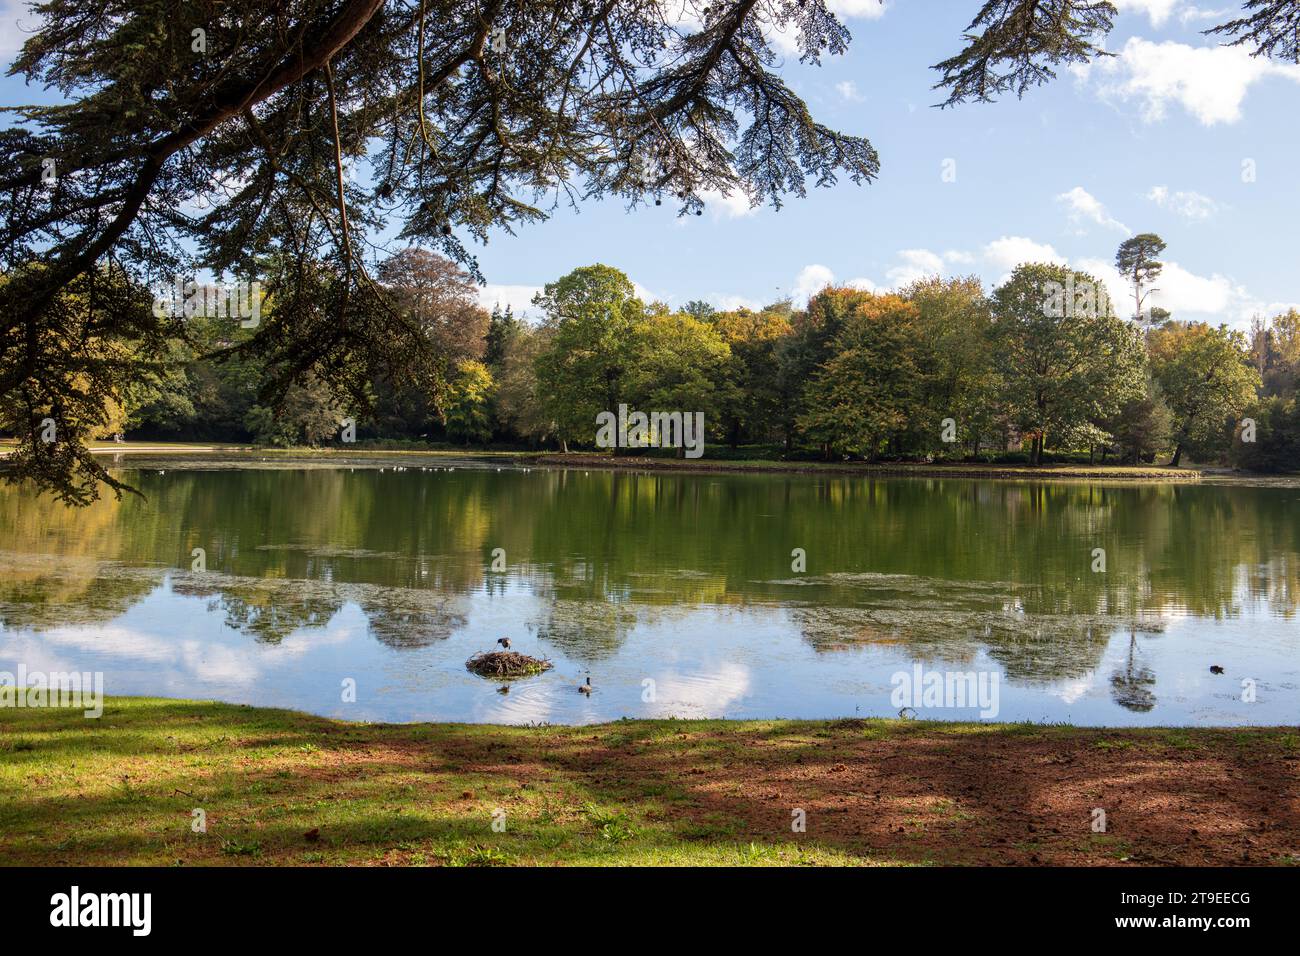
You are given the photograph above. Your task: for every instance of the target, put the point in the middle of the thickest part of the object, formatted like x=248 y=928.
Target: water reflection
x=682 y=581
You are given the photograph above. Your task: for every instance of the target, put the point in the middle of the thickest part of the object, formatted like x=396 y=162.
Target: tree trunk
x=1178 y=455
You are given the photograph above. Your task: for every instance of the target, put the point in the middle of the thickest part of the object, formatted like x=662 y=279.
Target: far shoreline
x=551 y=460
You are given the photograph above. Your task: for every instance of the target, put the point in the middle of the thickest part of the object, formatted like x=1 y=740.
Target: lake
x=678 y=595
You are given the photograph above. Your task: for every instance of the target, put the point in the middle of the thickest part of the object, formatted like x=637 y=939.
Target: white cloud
x=17 y=24
x=646 y=296
x=1209 y=82
x=731 y=303
x=1188 y=15
x=1188 y=204
x=734 y=206
x=1083 y=205
x=1010 y=251
x=1214 y=298
x=811 y=280
x=704 y=694
x=864 y=9
x=518 y=297
x=1179 y=290
x=849 y=90
x=1157 y=11
x=915 y=264
x=1184 y=293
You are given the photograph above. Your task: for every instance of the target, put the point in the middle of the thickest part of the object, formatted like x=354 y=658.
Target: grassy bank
x=284 y=788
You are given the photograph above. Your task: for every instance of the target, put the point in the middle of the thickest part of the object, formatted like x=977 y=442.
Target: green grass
x=284 y=788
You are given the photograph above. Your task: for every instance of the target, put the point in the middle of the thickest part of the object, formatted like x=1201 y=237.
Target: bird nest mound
x=506 y=664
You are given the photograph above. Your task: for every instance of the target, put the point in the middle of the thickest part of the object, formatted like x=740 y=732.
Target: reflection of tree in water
x=1129 y=685
x=588 y=630
x=407 y=629
x=270 y=621
x=272 y=609
x=925 y=563
x=38 y=592
x=1037 y=647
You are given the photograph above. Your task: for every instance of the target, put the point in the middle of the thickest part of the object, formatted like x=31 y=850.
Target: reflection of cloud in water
x=1070 y=691
x=528 y=702
x=701 y=694
x=188 y=660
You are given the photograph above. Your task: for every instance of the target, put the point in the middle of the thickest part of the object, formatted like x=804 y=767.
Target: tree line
x=1039 y=367
x=212 y=136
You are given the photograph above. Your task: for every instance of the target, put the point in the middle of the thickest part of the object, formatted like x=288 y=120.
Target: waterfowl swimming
x=504 y=642
x=1216 y=669
x=585 y=688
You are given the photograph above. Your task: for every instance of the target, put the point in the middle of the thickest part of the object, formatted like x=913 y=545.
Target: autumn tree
x=468 y=414
x=864 y=396
x=440 y=299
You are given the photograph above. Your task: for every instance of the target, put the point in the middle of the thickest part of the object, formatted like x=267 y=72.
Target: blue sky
x=1175 y=135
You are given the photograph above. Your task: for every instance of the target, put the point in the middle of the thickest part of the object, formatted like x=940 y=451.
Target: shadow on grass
x=124 y=790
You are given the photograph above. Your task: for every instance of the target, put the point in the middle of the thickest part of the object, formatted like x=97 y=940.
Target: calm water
x=317 y=575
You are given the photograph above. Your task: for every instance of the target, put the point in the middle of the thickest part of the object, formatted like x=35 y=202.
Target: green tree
x=754 y=399
x=308 y=414
x=266 y=112
x=1065 y=359
x=680 y=364
x=592 y=314
x=812 y=343
x=959 y=377
x=1143 y=426
x=101 y=343
x=1276 y=444
x=503 y=327
x=1206 y=377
